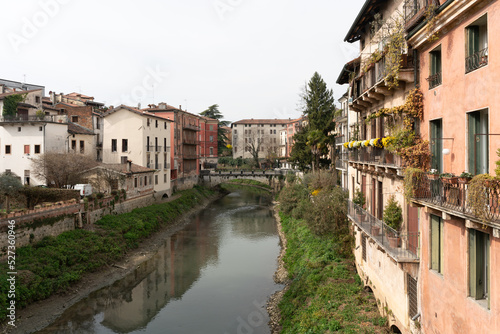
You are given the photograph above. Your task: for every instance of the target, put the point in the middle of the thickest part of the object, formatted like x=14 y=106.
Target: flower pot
x=393 y=241
x=464 y=180
x=375 y=230
x=433 y=177
x=450 y=180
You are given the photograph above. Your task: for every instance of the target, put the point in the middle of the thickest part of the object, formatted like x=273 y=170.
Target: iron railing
x=33 y=118
x=376 y=156
x=476 y=60
x=453 y=195
x=339 y=140
x=401 y=246
x=434 y=80
x=414 y=9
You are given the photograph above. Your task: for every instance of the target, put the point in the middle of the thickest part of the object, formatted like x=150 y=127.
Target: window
x=412 y=296
x=435 y=78
x=235 y=149
x=26 y=149
x=37 y=149
x=274 y=132
x=271 y=132
x=164 y=178
x=479 y=264
x=98 y=124
x=437 y=243
x=124 y=145
x=40 y=128
x=145 y=180
x=235 y=131
x=147 y=143
x=211 y=151
x=476 y=37
x=74 y=119
x=7 y=149
x=437 y=145
x=165 y=144
x=37 y=99
x=135 y=182
x=156 y=123
x=82 y=146
x=211 y=139
x=363 y=246
x=148 y=121
x=211 y=128
x=478 y=140
x=18 y=129
x=156 y=179
x=113 y=145
x=73 y=145
x=27 y=177
x=165 y=125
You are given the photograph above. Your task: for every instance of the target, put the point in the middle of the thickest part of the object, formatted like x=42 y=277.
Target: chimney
x=162 y=105
x=180 y=107
x=139 y=105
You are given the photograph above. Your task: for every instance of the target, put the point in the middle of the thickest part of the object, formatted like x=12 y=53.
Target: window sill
x=481 y=302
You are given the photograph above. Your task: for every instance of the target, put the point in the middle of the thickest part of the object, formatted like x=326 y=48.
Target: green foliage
x=291 y=196
x=359 y=198
x=9 y=184
x=55 y=263
x=328 y=213
x=38 y=195
x=479 y=194
x=497 y=169
x=326 y=295
x=213 y=112
x=301 y=154
x=10 y=104
x=412 y=180
x=393 y=214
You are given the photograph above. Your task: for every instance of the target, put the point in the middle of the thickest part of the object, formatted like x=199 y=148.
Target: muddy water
x=213 y=276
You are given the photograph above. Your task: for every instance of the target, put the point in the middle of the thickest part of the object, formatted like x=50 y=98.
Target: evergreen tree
x=213 y=112
x=312 y=142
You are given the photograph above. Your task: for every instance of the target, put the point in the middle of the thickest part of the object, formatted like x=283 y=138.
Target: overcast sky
x=252 y=57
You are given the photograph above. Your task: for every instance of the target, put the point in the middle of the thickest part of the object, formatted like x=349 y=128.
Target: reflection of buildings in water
x=177 y=268
x=130 y=303
x=258 y=224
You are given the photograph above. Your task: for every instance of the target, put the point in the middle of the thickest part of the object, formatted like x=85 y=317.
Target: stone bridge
x=270 y=177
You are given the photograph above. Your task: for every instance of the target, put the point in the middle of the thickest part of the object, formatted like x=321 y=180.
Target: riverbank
x=326 y=294
x=146 y=241
x=280 y=277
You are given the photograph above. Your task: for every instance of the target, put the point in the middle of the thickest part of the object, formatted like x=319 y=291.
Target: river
x=212 y=277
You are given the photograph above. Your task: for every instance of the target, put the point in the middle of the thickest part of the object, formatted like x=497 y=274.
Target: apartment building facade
x=460 y=236
x=131 y=134
x=387 y=259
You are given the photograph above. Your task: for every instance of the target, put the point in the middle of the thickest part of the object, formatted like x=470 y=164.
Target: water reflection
x=211 y=277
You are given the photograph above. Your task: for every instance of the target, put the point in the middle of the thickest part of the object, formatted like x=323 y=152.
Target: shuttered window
x=437 y=244
x=479 y=269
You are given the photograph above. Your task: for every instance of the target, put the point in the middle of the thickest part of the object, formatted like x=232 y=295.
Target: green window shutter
x=436 y=144
x=473 y=40
x=435 y=241
x=441 y=245
x=472 y=264
x=488 y=267
x=473 y=147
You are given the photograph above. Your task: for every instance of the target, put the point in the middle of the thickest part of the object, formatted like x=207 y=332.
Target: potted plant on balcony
x=465 y=177
x=482 y=196
x=414 y=185
x=393 y=216
x=360 y=200
x=433 y=175
x=449 y=178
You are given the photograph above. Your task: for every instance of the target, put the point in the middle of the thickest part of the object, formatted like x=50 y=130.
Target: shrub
x=393 y=214
x=290 y=197
x=327 y=214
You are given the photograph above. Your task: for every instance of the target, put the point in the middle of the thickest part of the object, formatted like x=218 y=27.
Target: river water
x=212 y=277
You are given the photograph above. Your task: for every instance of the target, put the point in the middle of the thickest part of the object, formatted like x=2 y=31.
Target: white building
x=130 y=134
x=21 y=140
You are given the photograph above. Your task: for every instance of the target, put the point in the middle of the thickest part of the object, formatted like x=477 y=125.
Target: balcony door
x=478 y=142
x=437 y=145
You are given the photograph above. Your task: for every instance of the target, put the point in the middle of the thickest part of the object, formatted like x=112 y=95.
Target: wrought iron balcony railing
x=339 y=140
x=434 y=80
x=453 y=196
x=476 y=60
x=413 y=10
x=375 y=156
x=403 y=247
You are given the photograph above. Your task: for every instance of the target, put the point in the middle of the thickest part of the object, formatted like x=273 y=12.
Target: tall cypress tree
x=319 y=107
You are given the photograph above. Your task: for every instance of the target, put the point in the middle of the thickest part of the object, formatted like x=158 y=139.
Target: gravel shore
x=280 y=277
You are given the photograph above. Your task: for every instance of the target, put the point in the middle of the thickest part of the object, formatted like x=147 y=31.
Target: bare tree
x=102 y=179
x=60 y=169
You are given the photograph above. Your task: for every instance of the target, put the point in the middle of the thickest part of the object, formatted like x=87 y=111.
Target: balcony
x=342 y=161
x=33 y=118
x=434 y=80
x=166 y=165
x=154 y=165
x=452 y=196
x=339 y=140
x=190 y=156
x=375 y=156
x=414 y=11
x=153 y=148
x=476 y=60
x=191 y=127
x=402 y=247
x=189 y=141
x=370 y=87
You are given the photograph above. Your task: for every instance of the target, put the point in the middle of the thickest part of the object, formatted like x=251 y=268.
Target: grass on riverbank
x=326 y=295
x=53 y=264
x=251 y=183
